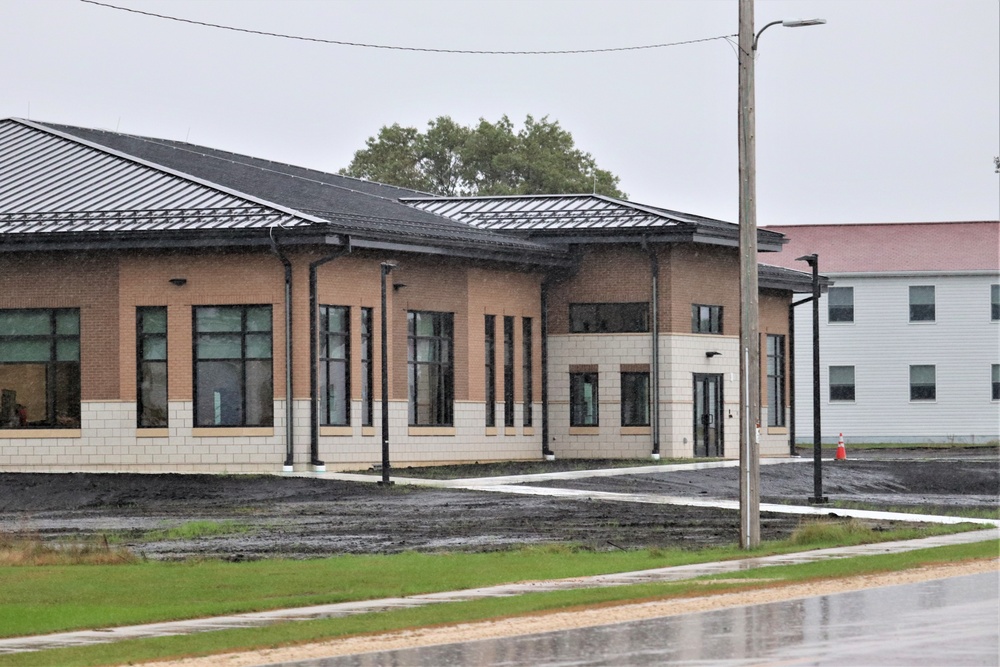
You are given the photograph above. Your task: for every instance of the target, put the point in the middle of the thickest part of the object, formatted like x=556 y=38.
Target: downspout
x=289 y=442
x=791 y=374
x=654 y=365
x=547 y=453
x=314 y=460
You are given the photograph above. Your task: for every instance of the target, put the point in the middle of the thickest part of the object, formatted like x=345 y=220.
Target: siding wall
x=882 y=343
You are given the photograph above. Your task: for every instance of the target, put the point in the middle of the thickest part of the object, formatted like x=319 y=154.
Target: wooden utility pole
x=749 y=339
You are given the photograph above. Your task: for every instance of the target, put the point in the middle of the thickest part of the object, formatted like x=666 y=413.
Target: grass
x=963 y=512
x=17 y=550
x=447 y=613
x=193 y=530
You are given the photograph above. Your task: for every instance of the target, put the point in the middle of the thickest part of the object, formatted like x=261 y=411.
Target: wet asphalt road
x=942 y=622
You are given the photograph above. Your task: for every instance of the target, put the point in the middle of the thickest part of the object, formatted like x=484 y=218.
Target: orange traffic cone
x=841 y=452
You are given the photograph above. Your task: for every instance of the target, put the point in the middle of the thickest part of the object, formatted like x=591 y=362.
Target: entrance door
x=708 y=419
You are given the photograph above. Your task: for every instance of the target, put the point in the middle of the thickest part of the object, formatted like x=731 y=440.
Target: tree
x=487 y=159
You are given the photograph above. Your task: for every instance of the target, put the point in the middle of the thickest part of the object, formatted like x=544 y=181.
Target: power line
x=404 y=48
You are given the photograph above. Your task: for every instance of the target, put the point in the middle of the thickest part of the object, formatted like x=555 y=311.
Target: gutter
x=289 y=442
x=314 y=460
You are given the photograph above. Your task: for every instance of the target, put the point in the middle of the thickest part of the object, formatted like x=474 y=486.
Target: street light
x=818 y=497
x=749 y=315
x=386 y=268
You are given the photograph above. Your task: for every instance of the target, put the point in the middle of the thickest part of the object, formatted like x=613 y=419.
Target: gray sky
x=889 y=113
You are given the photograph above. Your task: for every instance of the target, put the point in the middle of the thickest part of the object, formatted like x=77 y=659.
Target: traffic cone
x=841 y=452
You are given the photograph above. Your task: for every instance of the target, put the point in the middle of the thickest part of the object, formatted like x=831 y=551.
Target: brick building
x=154 y=291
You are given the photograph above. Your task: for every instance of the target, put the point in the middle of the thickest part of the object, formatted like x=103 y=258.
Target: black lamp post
x=818 y=497
x=386 y=268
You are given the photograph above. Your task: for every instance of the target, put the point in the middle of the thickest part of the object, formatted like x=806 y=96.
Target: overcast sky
x=888 y=113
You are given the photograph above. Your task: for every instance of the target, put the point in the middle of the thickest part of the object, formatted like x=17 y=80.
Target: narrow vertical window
x=367 y=368
x=40 y=368
x=431 y=368
x=583 y=399
x=841 y=383
x=635 y=399
x=508 y=371
x=151 y=347
x=996 y=381
x=995 y=302
x=490 y=336
x=526 y=375
x=335 y=365
x=923 y=383
x=775 y=380
x=232 y=366
x=840 y=304
x=922 y=303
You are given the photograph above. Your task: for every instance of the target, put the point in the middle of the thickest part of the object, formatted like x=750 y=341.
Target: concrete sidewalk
x=678 y=573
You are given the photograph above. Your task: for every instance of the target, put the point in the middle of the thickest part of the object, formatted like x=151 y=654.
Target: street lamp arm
x=797 y=23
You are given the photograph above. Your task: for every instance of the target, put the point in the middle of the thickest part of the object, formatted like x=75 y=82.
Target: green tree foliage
x=487 y=159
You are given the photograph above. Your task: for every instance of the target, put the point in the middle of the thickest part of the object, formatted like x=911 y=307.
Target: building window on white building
x=922 y=303
x=923 y=384
x=706 y=319
x=996 y=382
x=840 y=304
x=635 y=399
x=995 y=302
x=841 y=383
x=583 y=401
x=776 y=380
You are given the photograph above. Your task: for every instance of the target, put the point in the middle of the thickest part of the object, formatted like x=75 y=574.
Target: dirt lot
x=300 y=518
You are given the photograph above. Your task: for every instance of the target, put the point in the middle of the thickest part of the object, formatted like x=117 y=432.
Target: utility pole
x=749 y=338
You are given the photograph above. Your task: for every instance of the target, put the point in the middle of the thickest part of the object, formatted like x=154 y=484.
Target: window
x=922 y=303
x=40 y=368
x=335 y=365
x=151 y=345
x=706 y=319
x=995 y=302
x=508 y=371
x=232 y=366
x=431 y=374
x=526 y=378
x=840 y=304
x=367 y=370
x=491 y=370
x=608 y=317
x=635 y=399
x=996 y=382
x=841 y=383
x=776 y=380
x=922 y=383
x=583 y=405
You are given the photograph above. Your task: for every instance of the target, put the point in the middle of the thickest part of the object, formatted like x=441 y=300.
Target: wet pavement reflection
x=942 y=622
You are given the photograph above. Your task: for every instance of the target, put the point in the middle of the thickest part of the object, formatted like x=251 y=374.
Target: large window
x=706 y=319
x=526 y=379
x=995 y=302
x=335 y=365
x=922 y=303
x=840 y=304
x=995 y=369
x=431 y=374
x=232 y=367
x=151 y=346
x=40 y=368
x=583 y=401
x=841 y=383
x=367 y=372
x=491 y=369
x=775 y=380
x=608 y=317
x=923 y=383
x=635 y=399
x=508 y=371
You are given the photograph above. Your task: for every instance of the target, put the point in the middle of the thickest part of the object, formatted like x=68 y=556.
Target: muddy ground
x=296 y=517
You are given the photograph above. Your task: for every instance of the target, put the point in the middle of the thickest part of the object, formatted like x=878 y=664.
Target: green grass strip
x=291 y=633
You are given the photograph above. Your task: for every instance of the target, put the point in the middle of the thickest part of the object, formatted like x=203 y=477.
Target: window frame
x=776 y=380
x=329 y=364
x=839 y=313
x=995 y=302
x=527 y=380
x=142 y=362
x=59 y=414
x=629 y=400
x=243 y=361
x=922 y=311
x=605 y=314
x=995 y=382
x=508 y=371
x=922 y=387
x=842 y=387
x=441 y=407
x=578 y=406
x=715 y=321
x=367 y=366
x=490 y=368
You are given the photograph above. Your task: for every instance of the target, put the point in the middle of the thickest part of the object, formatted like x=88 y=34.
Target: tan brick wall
x=773 y=310
x=708 y=275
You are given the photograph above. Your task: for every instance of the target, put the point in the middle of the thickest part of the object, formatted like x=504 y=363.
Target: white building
x=909 y=331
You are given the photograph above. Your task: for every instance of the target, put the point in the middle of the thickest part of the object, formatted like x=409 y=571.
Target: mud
x=271 y=516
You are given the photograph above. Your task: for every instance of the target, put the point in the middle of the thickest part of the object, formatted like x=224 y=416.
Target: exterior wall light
x=178 y=282
x=711 y=354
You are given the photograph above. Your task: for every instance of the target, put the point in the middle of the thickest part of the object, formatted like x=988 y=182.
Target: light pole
x=749 y=337
x=818 y=497
x=386 y=268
